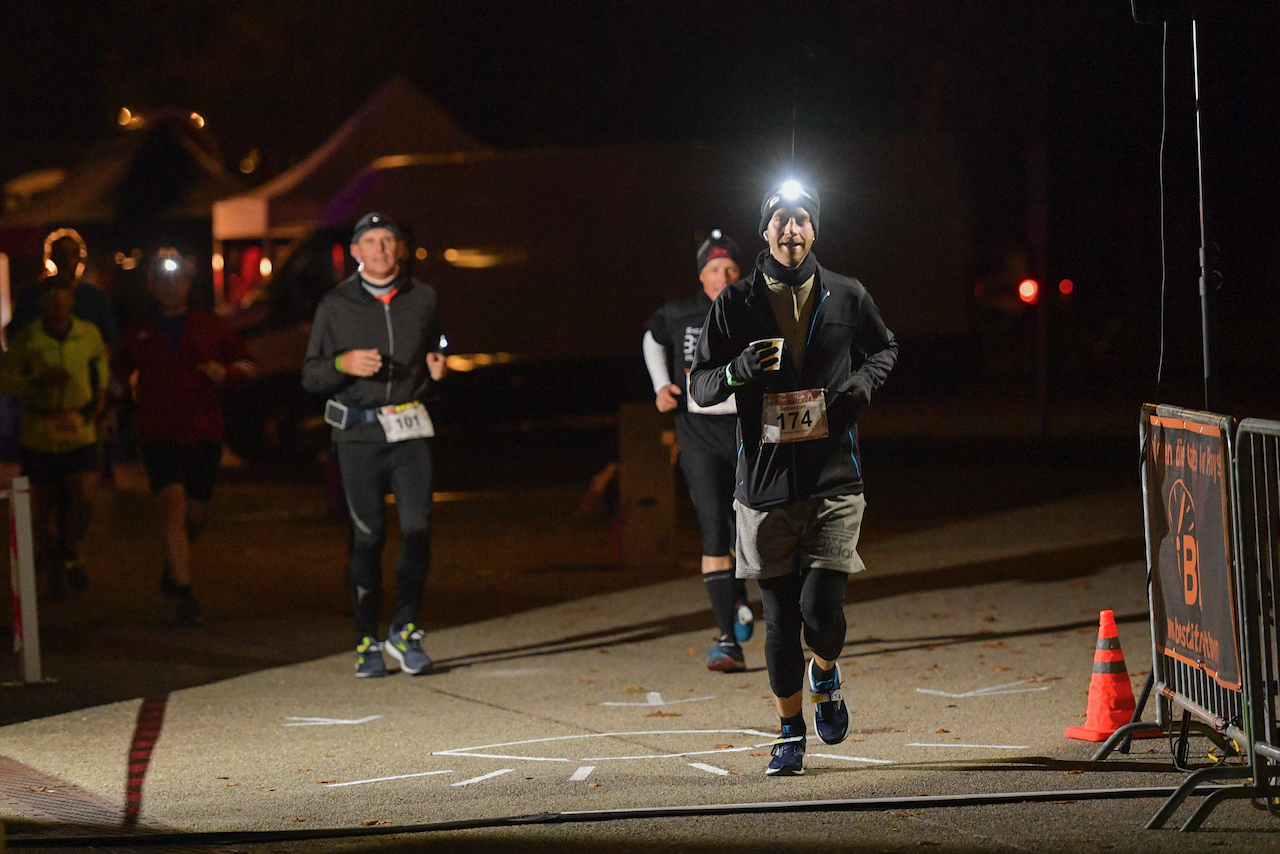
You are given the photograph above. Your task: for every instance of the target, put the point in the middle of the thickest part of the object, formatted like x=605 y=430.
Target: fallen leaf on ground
x=37 y=788
x=268 y=790
x=326 y=780
x=857 y=739
x=733 y=773
x=662 y=714
x=368 y=821
x=689 y=651
x=233 y=784
x=587 y=681
x=1074 y=771
x=1000 y=667
x=634 y=689
x=995 y=645
x=740 y=687
x=222 y=778
x=723 y=746
x=758 y=753
x=593 y=785
x=941 y=729
x=299 y=819
x=986 y=619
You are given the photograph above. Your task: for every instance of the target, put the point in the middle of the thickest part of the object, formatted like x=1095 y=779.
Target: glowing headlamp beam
x=170 y=265
x=791 y=190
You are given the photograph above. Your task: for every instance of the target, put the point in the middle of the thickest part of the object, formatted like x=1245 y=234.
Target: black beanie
x=790 y=193
x=718 y=246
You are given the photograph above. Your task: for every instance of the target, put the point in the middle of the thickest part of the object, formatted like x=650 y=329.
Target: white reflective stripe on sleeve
x=655 y=359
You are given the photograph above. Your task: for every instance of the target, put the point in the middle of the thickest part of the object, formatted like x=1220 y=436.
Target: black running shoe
x=830 y=714
x=788 y=756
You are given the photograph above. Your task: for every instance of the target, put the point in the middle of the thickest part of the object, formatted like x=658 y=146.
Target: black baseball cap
x=370 y=221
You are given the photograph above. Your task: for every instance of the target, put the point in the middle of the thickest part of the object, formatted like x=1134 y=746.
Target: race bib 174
x=794 y=416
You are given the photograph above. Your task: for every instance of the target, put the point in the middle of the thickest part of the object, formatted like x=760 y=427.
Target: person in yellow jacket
x=57 y=369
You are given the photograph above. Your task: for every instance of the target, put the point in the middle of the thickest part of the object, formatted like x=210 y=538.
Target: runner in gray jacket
x=376 y=350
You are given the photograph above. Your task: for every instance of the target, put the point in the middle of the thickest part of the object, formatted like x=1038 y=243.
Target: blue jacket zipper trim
x=853 y=457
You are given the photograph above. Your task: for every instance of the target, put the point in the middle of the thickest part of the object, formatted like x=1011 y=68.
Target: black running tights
x=369 y=471
x=811 y=600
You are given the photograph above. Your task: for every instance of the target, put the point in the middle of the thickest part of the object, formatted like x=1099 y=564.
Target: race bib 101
x=794 y=416
x=406 y=421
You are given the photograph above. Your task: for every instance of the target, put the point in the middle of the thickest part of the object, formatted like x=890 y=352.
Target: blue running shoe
x=745 y=623
x=404 y=644
x=369 y=659
x=830 y=714
x=726 y=656
x=788 y=756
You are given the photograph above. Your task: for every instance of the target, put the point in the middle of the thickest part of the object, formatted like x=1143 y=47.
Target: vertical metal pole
x=1204 y=261
x=26 y=624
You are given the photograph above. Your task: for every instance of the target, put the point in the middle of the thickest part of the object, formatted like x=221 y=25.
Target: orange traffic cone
x=1111 y=702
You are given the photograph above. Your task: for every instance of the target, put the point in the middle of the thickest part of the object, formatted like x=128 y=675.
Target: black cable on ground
x=250 y=837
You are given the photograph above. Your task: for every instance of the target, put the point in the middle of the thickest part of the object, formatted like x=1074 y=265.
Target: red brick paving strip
x=145 y=735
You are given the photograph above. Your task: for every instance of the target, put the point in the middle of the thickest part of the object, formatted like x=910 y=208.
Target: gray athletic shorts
x=814 y=533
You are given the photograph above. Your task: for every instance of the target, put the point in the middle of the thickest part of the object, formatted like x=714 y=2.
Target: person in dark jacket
x=708 y=442
x=376 y=350
x=802 y=349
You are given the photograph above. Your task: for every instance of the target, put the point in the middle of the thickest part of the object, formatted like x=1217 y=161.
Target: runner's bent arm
x=15 y=373
x=880 y=349
x=319 y=373
x=708 y=382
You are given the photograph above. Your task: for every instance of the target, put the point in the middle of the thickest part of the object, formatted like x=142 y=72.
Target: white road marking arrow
x=488 y=776
x=384 y=779
x=975 y=746
x=710 y=769
x=330 y=721
x=1007 y=688
x=854 y=758
x=653 y=698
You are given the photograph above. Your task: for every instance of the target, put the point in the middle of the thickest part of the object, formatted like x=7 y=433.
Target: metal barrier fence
x=22 y=576
x=1211 y=499
x=1258 y=486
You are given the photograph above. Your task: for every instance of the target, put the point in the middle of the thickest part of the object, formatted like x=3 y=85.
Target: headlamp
x=791 y=190
x=170 y=265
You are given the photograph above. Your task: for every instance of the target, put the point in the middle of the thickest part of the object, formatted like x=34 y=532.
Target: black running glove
x=752 y=362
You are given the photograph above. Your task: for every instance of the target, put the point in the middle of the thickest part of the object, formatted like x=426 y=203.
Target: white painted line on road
x=330 y=721
x=975 y=746
x=655 y=699
x=710 y=769
x=488 y=776
x=384 y=779
x=1019 y=687
x=582 y=773
x=667 y=755
x=854 y=758
x=476 y=751
x=510 y=673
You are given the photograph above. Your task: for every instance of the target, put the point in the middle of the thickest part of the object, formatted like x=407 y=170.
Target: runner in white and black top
x=708 y=441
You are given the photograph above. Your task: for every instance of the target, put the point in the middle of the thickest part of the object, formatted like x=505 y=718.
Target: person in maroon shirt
x=177 y=360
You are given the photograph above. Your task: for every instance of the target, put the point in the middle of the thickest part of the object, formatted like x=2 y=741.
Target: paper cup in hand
x=771 y=342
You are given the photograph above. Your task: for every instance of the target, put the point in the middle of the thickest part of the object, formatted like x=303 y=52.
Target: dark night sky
x=996 y=75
